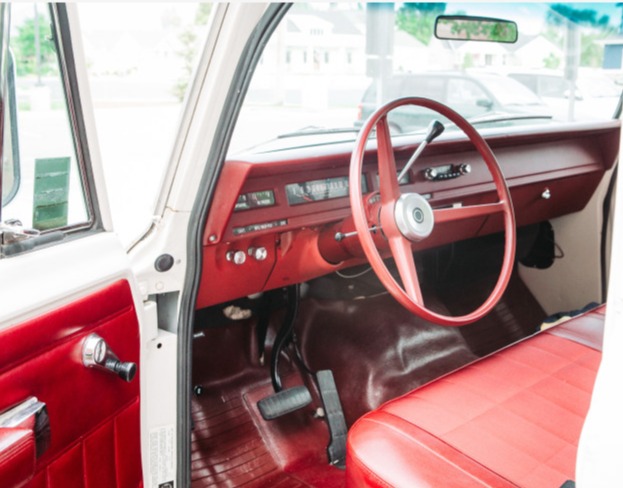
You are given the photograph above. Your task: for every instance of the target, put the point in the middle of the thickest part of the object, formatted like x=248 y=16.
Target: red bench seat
x=511 y=419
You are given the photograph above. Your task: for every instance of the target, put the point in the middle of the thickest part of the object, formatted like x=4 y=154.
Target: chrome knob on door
x=97 y=354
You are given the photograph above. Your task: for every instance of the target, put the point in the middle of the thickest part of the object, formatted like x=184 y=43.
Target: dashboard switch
x=431 y=173
x=236 y=257
x=258 y=253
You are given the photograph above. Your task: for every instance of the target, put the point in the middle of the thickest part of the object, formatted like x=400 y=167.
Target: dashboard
x=271 y=211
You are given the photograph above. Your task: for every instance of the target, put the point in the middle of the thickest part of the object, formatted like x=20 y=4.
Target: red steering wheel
x=409 y=218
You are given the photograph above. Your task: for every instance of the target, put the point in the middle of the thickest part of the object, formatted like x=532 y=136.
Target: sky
x=124 y=15
x=95 y=15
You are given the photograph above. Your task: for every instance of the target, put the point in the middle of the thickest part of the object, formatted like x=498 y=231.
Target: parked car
x=343 y=308
x=473 y=95
x=593 y=96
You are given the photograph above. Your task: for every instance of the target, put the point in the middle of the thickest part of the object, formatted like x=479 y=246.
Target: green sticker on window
x=51 y=193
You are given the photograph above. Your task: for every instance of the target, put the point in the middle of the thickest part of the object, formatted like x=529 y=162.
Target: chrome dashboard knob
x=431 y=174
x=258 y=253
x=465 y=169
x=236 y=257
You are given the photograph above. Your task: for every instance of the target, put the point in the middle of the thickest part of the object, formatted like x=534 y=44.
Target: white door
x=70 y=314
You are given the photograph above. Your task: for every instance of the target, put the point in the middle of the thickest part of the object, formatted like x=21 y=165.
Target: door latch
x=97 y=354
x=15 y=238
x=13 y=231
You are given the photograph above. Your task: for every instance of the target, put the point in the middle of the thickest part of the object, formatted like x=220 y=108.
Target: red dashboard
x=271 y=209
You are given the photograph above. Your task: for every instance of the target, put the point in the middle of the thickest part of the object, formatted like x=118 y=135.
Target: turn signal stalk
x=339 y=242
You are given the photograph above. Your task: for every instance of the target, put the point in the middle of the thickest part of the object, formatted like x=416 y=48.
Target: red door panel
x=17 y=456
x=94 y=415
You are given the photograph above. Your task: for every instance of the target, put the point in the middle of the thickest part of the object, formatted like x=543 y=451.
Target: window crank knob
x=97 y=354
x=125 y=370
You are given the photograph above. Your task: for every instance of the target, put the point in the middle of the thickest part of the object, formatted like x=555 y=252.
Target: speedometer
x=318 y=190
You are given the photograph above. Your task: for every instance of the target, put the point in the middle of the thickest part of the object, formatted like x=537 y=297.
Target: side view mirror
x=485 y=103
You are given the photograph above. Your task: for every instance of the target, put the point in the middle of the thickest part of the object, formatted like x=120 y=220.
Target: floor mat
x=376 y=349
x=516 y=315
x=232 y=446
x=354 y=336
x=226 y=446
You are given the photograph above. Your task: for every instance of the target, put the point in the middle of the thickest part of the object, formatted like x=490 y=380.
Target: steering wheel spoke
x=388 y=179
x=467 y=212
x=403 y=256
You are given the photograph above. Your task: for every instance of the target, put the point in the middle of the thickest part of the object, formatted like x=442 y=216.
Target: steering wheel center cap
x=414 y=216
x=418 y=215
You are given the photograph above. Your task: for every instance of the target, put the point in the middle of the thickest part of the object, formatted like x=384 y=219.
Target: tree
x=418 y=19
x=203 y=13
x=188 y=51
x=591 y=51
x=561 y=13
x=552 y=61
x=24 y=49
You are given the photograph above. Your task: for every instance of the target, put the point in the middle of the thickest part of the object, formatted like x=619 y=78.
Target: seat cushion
x=512 y=418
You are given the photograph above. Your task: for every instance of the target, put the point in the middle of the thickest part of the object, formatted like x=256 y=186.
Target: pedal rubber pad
x=336 y=449
x=284 y=402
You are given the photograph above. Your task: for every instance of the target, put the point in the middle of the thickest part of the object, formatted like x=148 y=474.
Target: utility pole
x=380 y=46
x=37 y=47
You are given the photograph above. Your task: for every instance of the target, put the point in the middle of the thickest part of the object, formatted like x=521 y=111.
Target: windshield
x=599 y=86
x=328 y=66
x=510 y=92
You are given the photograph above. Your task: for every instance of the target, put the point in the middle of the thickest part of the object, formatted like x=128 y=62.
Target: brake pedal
x=284 y=402
x=334 y=414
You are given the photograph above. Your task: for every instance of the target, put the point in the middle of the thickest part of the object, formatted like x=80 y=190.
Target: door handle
x=96 y=353
x=31 y=415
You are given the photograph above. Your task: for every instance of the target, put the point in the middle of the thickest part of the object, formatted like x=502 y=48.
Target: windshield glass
x=328 y=66
x=509 y=92
x=598 y=86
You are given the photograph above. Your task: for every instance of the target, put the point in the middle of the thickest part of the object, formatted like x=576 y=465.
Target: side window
x=43 y=187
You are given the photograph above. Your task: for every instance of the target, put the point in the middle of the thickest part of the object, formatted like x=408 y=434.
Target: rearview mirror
x=464 y=28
